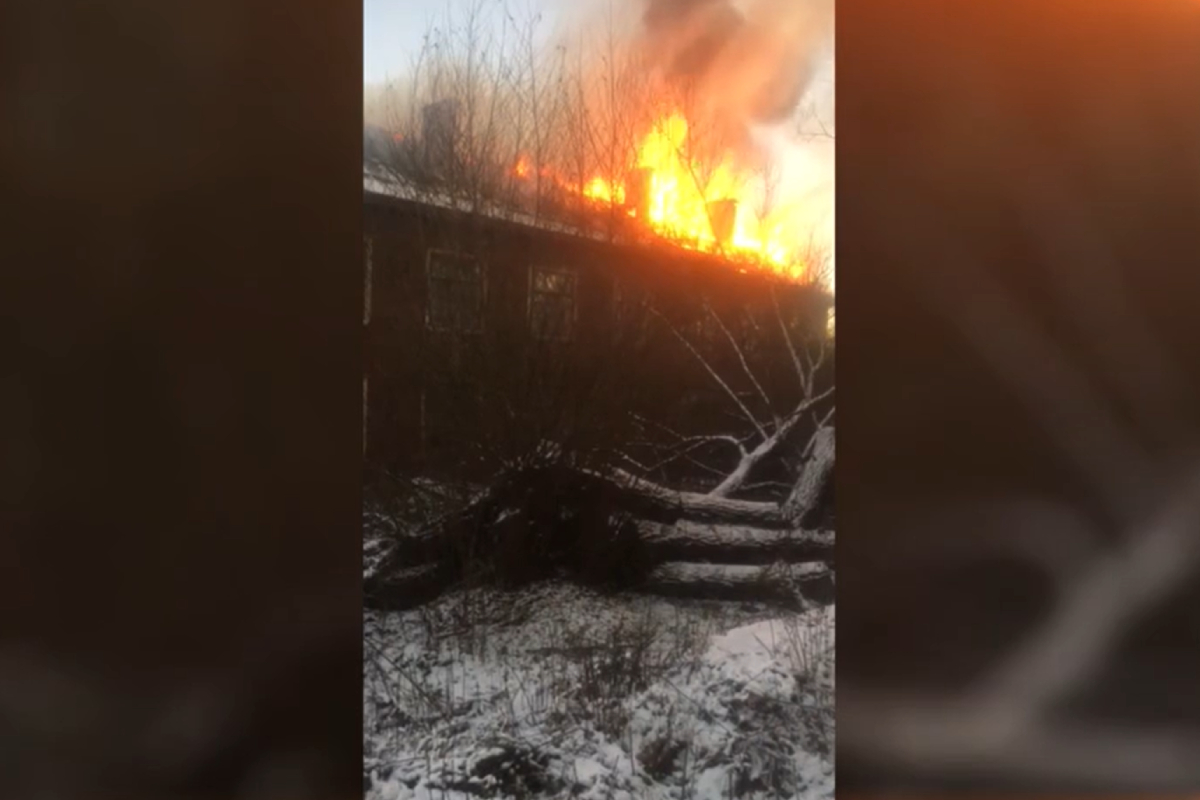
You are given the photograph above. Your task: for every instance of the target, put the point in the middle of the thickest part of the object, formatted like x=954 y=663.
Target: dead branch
x=716 y=376
x=768 y=446
x=741 y=356
x=772 y=434
x=621 y=493
x=603 y=524
x=668 y=505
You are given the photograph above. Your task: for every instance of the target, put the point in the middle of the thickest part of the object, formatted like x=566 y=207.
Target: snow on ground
x=557 y=691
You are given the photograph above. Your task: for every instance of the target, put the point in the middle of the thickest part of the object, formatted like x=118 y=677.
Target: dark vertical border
x=180 y=396
x=942 y=107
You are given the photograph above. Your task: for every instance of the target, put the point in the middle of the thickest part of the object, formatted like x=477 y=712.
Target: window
x=368 y=276
x=552 y=303
x=455 y=292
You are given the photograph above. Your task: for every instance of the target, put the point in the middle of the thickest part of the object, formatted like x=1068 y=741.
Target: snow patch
x=545 y=701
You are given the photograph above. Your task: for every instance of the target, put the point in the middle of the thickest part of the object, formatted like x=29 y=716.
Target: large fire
x=717 y=215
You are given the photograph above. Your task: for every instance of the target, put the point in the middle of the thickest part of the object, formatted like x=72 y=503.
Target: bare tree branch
x=767 y=447
x=801 y=373
x=758 y=426
x=737 y=349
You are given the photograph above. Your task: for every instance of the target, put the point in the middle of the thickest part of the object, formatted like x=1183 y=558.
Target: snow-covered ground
x=557 y=691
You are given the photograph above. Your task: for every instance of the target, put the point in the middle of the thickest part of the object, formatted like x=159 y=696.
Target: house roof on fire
x=382 y=178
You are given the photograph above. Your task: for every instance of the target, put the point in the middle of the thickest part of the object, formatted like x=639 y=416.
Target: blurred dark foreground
x=1019 y=395
x=179 y=402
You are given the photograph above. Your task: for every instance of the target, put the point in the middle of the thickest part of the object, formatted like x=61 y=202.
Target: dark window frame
x=536 y=295
x=432 y=281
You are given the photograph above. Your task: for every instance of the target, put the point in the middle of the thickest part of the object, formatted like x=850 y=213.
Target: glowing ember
x=677 y=207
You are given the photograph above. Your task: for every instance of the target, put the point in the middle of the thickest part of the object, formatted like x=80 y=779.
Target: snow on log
x=651 y=501
x=792 y=585
x=618 y=492
x=802 y=501
x=532 y=521
x=732 y=544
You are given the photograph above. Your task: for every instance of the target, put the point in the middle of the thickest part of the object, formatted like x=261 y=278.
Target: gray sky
x=392 y=31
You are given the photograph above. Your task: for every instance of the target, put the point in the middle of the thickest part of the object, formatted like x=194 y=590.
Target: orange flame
x=602 y=190
x=678 y=208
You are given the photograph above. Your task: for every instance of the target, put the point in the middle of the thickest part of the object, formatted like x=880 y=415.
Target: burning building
x=562 y=289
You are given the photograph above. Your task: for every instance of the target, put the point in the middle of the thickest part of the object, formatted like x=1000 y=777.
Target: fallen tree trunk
x=611 y=529
x=653 y=542
x=661 y=504
x=730 y=544
x=791 y=586
x=801 y=506
x=580 y=490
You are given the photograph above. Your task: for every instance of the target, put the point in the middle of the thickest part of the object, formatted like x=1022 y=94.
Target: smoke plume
x=754 y=59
